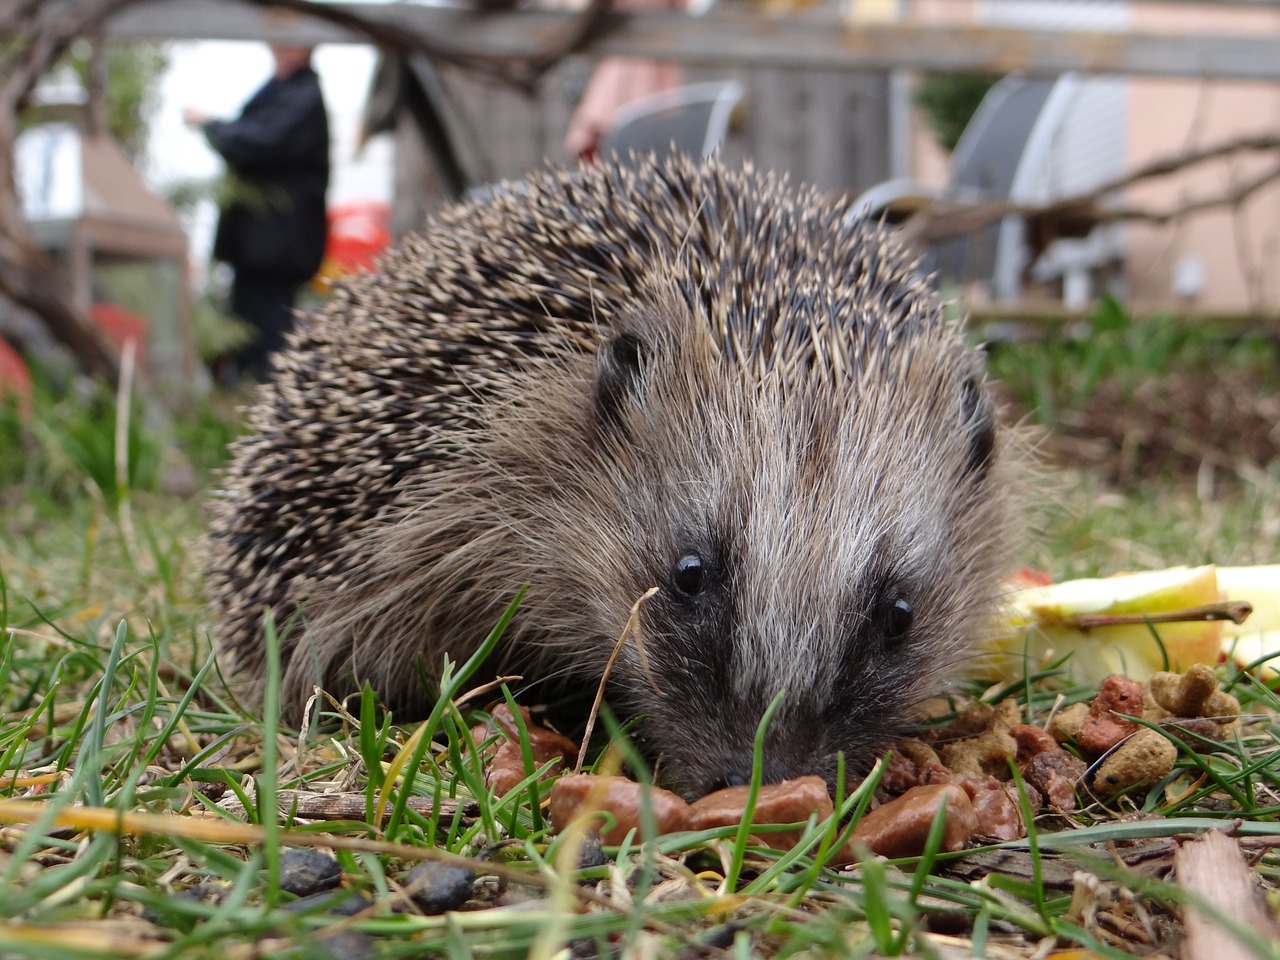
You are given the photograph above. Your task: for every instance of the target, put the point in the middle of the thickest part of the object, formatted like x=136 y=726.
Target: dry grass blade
x=100 y=938
x=632 y=628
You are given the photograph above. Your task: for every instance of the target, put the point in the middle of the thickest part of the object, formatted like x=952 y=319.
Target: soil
x=1177 y=425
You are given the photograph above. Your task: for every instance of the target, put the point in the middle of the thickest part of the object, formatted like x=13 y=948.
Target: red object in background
x=1029 y=577
x=123 y=325
x=358 y=232
x=15 y=378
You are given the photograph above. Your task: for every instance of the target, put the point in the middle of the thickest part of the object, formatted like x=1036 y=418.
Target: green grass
x=115 y=730
x=1077 y=526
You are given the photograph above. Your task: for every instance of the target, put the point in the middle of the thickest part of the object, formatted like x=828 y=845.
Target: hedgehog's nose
x=736 y=777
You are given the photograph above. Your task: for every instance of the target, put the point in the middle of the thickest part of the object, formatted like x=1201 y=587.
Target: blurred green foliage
x=1049 y=377
x=132 y=89
x=65 y=440
x=949 y=101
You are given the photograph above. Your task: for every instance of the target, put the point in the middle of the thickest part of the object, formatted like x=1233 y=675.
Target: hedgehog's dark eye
x=896 y=616
x=688 y=575
x=901 y=613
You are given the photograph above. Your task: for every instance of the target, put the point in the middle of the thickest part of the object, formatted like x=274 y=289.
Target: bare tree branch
x=31 y=42
x=27 y=275
x=945 y=218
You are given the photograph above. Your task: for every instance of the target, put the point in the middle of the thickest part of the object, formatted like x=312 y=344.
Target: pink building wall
x=1235 y=254
x=1223 y=259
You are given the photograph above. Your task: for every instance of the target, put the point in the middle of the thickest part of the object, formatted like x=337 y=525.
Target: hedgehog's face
x=836 y=539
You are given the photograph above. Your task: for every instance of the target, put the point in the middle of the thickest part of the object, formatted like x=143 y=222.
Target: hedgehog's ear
x=619 y=364
x=978 y=423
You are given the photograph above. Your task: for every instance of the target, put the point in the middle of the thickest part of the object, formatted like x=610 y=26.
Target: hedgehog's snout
x=735 y=771
x=718 y=770
x=713 y=749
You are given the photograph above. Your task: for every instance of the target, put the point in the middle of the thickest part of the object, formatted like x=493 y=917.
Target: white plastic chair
x=693 y=119
x=1031 y=141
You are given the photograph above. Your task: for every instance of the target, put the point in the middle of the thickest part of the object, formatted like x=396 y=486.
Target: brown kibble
x=1193 y=694
x=937 y=773
x=1222 y=707
x=1101 y=729
x=1055 y=774
x=1031 y=740
x=1151 y=709
x=900 y=774
x=1201 y=734
x=791 y=801
x=1008 y=715
x=997 y=811
x=505 y=769
x=1067 y=721
x=1098 y=734
x=1143 y=758
x=921 y=754
x=505 y=766
x=1119 y=694
x=973 y=720
x=576 y=793
x=542 y=739
x=1035 y=799
x=987 y=755
x=900 y=827
x=1185 y=694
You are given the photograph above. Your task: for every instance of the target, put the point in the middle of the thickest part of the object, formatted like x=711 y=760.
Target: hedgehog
x=653 y=373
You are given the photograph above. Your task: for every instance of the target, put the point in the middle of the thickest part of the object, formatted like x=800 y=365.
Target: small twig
x=947 y=218
x=1237 y=611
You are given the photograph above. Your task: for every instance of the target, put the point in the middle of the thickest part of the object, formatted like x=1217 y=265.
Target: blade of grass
x=753 y=793
x=267 y=784
x=450 y=685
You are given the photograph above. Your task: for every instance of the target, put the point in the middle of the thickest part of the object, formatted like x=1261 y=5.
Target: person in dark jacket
x=273 y=232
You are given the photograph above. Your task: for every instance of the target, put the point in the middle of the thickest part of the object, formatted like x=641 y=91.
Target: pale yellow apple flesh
x=1043 y=624
x=1259 y=636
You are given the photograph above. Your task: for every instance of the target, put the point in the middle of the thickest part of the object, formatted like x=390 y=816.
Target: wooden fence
x=823 y=128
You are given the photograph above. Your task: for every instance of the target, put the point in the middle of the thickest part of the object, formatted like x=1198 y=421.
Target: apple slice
x=1259 y=636
x=1102 y=623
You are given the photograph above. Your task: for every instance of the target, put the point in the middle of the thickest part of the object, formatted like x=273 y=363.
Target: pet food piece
x=1102 y=729
x=996 y=806
x=1194 y=694
x=791 y=801
x=900 y=827
x=1055 y=774
x=1031 y=740
x=986 y=755
x=1144 y=758
x=622 y=800
x=505 y=767
x=1066 y=723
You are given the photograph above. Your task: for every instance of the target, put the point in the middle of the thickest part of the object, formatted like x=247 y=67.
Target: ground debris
x=1211 y=868
x=307 y=805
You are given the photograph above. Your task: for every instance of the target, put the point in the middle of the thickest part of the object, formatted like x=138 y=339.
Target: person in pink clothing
x=616 y=82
